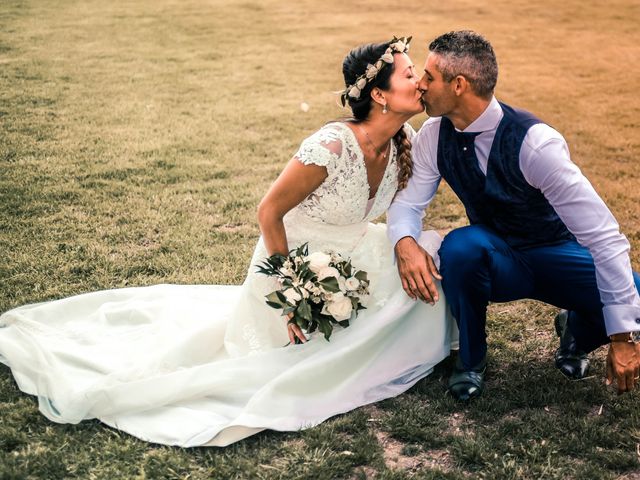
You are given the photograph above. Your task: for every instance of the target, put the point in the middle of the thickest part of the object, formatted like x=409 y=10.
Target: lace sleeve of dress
x=409 y=131
x=323 y=148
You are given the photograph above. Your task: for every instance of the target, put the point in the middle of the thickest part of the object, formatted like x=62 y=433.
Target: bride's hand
x=294 y=332
x=417 y=270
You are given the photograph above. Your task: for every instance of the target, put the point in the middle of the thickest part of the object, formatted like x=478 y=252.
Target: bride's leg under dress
x=153 y=361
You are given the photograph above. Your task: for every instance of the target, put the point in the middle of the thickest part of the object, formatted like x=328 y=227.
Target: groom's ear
x=460 y=85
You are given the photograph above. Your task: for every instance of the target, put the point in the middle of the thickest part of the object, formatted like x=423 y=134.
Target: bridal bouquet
x=318 y=290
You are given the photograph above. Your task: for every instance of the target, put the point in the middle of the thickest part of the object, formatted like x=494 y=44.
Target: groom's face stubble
x=438 y=96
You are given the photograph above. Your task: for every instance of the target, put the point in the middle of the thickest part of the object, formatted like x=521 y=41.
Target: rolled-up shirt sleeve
x=404 y=216
x=546 y=164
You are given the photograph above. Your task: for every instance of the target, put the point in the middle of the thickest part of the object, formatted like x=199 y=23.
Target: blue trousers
x=479 y=267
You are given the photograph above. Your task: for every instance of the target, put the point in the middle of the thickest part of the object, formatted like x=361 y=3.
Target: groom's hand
x=623 y=365
x=417 y=270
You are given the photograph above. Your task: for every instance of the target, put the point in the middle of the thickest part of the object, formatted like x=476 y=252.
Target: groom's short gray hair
x=469 y=54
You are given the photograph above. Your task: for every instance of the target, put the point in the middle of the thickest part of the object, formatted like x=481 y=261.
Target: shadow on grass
x=530 y=422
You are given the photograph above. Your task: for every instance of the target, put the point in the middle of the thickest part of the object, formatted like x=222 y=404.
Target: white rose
x=342 y=284
x=304 y=292
x=352 y=283
x=387 y=57
x=399 y=46
x=327 y=272
x=292 y=295
x=318 y=261
x=361 y=83
x=340 y=307
x=354 y=92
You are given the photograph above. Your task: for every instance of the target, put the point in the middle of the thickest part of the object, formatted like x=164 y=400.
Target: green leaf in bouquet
x=273 y=300
x=302 y=250
x=264 y=269
x=344 y=323
x=325 y=327
x=361 y=275
x=281 y=297
x=304 y=310
x=289 y=309
x=276 y=260
x=330 y=284
x=308 y=275
x=347 y=269
x=303 y=268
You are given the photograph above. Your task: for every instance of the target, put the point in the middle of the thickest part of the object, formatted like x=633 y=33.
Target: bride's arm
x=295 y=183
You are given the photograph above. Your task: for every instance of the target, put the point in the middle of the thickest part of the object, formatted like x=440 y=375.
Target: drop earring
x=384 y=108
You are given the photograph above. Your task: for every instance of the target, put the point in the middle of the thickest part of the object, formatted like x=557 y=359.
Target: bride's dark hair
x=354 y=65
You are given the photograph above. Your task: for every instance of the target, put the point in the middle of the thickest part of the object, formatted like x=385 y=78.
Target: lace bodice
x=342 y=198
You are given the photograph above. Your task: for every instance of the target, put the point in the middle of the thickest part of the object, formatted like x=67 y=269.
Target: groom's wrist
x=404 y=240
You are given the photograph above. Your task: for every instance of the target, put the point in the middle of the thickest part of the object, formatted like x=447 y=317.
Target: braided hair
x=354 y=65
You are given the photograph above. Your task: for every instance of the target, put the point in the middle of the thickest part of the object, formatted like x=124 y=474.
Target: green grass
x=136 y=139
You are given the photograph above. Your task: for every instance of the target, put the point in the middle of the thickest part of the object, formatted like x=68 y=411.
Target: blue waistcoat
x=502 y=200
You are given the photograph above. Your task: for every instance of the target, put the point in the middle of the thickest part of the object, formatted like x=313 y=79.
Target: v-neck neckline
x=392 y=155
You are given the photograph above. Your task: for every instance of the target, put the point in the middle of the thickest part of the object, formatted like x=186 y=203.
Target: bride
x=207 y=365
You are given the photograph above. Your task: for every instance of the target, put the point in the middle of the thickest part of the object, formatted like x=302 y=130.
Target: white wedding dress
x=207 y=365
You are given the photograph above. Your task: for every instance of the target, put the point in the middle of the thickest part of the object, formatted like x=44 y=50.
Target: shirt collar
x=488 y=120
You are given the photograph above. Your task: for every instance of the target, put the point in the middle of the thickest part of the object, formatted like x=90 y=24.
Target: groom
x=538 y=228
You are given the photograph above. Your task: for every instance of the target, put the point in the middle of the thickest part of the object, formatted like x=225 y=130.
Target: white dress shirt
x=547 y=166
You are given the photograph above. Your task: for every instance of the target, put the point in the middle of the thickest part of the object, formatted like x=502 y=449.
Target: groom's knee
x=465 y=248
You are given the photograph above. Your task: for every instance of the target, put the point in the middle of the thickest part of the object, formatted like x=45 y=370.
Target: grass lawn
x=136 y=139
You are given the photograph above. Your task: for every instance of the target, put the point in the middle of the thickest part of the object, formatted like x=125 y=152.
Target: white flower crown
x=397 y=45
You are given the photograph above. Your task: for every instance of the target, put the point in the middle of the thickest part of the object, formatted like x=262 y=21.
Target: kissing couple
x=196 y=365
